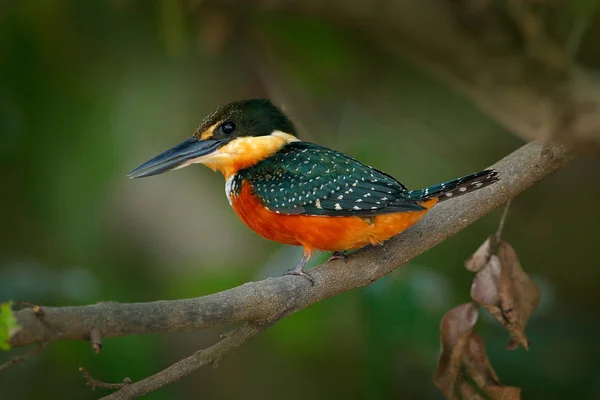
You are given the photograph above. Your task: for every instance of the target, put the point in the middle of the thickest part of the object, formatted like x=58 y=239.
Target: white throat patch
x=230 y=188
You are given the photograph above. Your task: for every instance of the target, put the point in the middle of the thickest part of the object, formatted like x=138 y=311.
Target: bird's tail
x=456 y=187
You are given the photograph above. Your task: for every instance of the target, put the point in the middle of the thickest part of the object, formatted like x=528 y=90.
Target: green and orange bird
x=299 y=193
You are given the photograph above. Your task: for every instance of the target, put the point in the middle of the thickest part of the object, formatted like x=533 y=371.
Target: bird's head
x=235 y=136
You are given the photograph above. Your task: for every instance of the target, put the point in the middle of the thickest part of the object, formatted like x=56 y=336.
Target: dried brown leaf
x=477 y=364
x=503 y=392
x=463 y=355
x=507 y=292
x=480 y=258
x=456 y=322
x=468 y=392
x=484 y=289
x=512 y=344
x=519 y=296
x=455 y=330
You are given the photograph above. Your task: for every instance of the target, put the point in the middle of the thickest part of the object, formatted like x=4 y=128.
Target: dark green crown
x=254 y=117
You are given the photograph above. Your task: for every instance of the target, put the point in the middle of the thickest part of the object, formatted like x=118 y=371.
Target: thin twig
x=503 y=220
x=495 y=240
x=94 y=383
x=18 y=359
x=231 y=341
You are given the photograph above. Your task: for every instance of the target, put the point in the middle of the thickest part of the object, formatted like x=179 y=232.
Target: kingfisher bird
x=300 y=193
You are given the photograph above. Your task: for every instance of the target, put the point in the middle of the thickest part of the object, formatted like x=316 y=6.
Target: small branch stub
x=37 y=310
x=96 y=339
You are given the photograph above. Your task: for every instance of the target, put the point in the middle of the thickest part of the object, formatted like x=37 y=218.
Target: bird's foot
x=299 y=268
x=300 y=272
x=338 y=255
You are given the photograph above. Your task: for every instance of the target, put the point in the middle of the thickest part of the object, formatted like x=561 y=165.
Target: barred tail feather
x=456 y=187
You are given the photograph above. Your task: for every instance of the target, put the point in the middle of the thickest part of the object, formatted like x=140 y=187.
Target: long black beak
x=176 y=156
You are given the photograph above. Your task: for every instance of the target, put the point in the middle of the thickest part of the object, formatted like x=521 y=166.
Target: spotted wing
x=304 y=178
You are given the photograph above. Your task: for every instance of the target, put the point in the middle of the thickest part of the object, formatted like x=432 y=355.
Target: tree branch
x=269 y=300
x=261 y=304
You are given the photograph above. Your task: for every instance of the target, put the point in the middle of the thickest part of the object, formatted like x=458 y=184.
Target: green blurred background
x=90 y=89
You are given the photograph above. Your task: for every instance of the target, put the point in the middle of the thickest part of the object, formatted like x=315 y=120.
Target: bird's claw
x=301 y=273
x=338 y=255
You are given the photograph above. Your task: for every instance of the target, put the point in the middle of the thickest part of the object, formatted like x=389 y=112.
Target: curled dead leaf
x=480 y=258
x=504 y=392
x=485 y=287
x=455 y=330
x=477 y=364
x=519 y=295
x=467 y=391
x=507 y=292
x=456 y=322
x=463 y=367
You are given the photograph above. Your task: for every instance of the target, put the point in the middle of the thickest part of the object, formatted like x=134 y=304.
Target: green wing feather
x=305 y=178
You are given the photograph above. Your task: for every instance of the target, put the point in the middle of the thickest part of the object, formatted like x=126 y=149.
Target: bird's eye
x=227 y=127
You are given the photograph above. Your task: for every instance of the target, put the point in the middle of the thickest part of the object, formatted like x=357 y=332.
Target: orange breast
x=321 y=232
